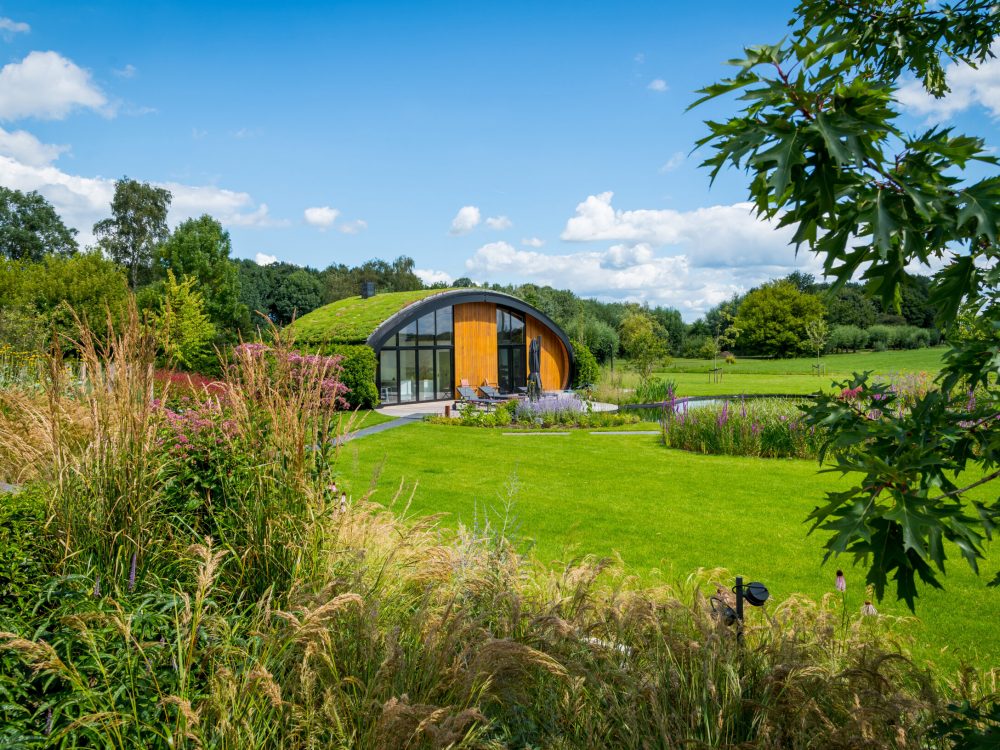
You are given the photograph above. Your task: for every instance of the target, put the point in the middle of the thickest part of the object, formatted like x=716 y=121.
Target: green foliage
x=845 y=338
x=358 y=367
x=138 y=223
x=849 y=306
x=299 y=294
x=30 y=228
x=200 y=249
x=184 y=331
x=643 y=341
x=24 y=553
x=818 y=138
x=340 y=281
x=50 y=291
x=586 y=369
x=601 y=338
x=775 y=319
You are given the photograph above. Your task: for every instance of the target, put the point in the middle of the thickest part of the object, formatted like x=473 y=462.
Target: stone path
x=408 y=419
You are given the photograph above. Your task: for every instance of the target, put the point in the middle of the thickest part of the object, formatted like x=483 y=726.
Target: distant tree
x=299 y=293
x=819 y=333
x=30 y=228
x=183 y=329
x=137 y=225
x=601 y=339
x=804 y=282
x=200 y=249
x=644 y=342
x=774 y=319
x=672 y=322
x=462 y=282
x=849 y=306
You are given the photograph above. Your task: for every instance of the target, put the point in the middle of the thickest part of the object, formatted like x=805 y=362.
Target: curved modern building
x=430 y=341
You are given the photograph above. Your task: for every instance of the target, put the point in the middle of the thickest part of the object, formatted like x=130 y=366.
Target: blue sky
x=543 y=142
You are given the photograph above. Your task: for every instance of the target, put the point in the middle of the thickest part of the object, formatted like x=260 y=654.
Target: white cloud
x=81 y=201
x=499 y=222
x=532 y=242
x=22 y=146
x=263 y=259
x=465 y=220
x=9 y=26
x=321 y=216
x=353 y=227
x=658 y=85
x=675 y=160
x=48 y=86
x=129 y=71
x=969 y=87
x=629 y=272
x=715 y=236
x=429 y=276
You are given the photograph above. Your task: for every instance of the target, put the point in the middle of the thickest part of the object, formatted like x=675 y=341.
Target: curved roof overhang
x=460 y=297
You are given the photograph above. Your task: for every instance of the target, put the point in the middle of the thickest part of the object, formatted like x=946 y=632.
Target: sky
x=505 y=142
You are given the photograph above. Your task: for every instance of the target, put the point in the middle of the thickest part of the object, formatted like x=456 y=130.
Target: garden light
x=755 y=594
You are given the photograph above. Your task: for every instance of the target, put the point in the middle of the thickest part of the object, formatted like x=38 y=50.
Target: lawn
x=793 y=375
x=665 y=512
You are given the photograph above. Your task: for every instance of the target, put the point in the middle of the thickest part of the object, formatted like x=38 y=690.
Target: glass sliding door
x=417 y=362
x=511 y=374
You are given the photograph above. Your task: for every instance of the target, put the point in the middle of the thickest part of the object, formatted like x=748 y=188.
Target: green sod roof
x=352 y=320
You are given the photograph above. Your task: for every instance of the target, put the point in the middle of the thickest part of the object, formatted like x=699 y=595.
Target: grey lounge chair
x=467 y=395
x=494 y=394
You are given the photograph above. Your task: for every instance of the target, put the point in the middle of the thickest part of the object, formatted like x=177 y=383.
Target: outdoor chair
x=467 y=395
x=494 y=394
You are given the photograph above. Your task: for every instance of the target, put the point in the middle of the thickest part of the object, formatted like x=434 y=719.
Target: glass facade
x=511 y=374
x=417 y=362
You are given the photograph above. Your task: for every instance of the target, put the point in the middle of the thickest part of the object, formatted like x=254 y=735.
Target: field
x=665 y=512
x=792 y=375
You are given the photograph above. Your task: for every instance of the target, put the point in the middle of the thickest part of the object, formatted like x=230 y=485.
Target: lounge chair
x=467 y=395
x=493 y=394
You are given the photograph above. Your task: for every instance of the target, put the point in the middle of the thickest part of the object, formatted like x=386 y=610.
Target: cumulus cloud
x=9 y=26
x=658 y=85
x=675 y=160
x=715 y=235
x=628 y=272
x=430 y=276
x=263 y=259
x=81 y=201
x=22 y=146
x=321 y=216
x=498 y=222
x=969 y=87
x=532 y=242
x=48 y=86
x=353 y=227
x=465 y=220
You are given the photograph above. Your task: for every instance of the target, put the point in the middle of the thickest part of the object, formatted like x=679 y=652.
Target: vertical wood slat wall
x=475 y=343
x=555 y=358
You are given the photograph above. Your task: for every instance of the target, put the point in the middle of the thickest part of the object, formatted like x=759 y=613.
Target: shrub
x=692 y=346
x=881 y=337
x=847 y=338
x=587 y=371
x=358 y=368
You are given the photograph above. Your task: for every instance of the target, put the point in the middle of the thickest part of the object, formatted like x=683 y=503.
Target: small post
x=447 y=410
x=739 y=609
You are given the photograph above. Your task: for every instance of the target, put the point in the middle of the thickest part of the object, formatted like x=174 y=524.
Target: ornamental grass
x=221 y=591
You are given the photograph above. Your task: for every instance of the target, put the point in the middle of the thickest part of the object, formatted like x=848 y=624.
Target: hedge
x=357 y=373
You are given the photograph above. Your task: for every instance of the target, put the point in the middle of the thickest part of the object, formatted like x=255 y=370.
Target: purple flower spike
x=131 y=573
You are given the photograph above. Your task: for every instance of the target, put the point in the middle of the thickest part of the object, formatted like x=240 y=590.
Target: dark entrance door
x=511 y=373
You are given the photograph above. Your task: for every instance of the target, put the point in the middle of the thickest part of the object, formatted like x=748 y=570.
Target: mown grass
x=665 y=512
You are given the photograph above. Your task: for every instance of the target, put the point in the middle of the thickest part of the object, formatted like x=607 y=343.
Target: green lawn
x=665 y=512
x=793 y=375
x=357 y=420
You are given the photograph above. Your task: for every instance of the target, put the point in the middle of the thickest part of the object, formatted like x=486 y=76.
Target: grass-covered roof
x=352 y=320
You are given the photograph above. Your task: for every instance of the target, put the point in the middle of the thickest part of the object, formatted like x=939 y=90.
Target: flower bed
x=565 y=410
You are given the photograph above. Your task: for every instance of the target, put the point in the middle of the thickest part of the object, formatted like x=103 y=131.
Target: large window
x=510 y=351
x=416 y=363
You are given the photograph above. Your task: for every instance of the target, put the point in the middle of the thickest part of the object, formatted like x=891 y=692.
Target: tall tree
x=774 y=319
x=30 y=228
x=138 y=223
x=199 y=249
x=818 y=138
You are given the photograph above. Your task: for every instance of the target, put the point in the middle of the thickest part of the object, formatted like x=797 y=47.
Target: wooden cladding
x=555 y=358
x=476 y=347
x=476 y=343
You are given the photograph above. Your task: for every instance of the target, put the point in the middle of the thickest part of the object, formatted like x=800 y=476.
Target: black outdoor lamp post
x=754 y=594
